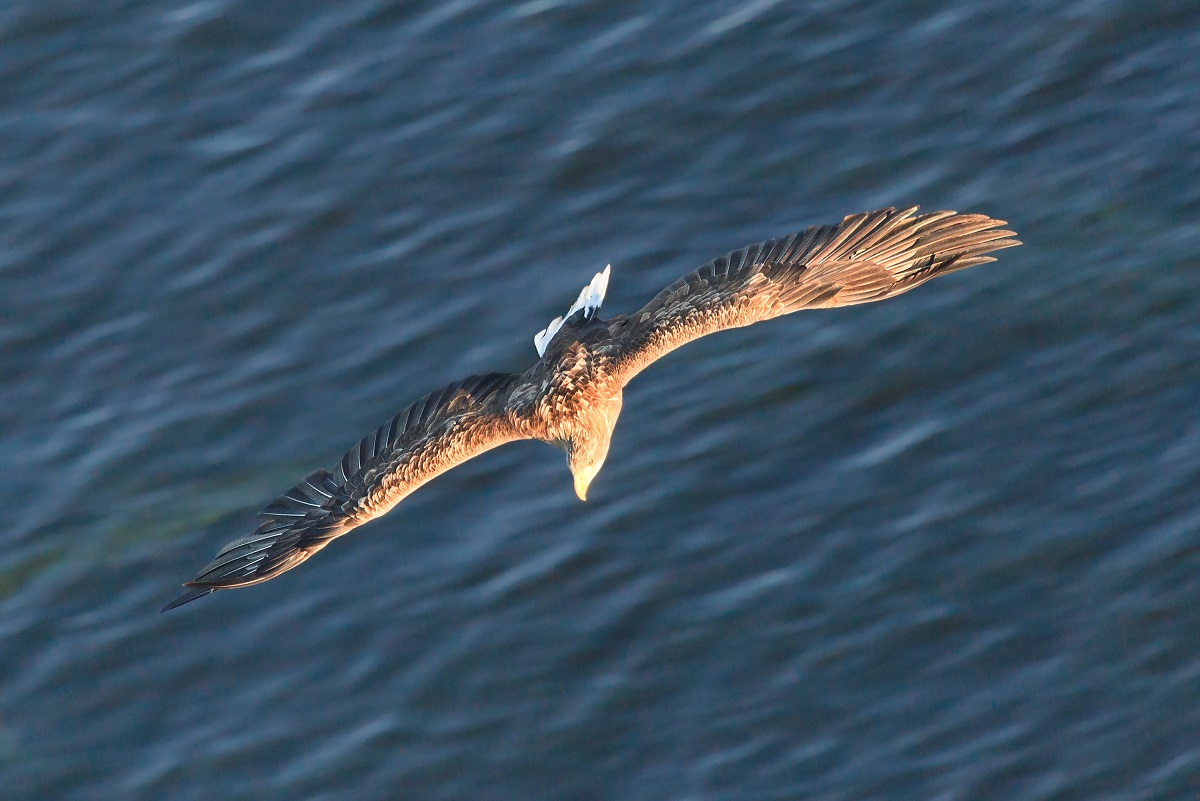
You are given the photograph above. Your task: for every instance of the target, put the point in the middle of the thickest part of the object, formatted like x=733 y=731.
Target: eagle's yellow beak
x=583 y=475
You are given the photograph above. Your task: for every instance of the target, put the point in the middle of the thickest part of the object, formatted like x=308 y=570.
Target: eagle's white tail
x=589 y=301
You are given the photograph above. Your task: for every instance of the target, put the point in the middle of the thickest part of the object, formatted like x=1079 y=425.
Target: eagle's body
x=571 y=397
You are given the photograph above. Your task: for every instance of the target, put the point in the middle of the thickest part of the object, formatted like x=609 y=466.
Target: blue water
x=942 y=547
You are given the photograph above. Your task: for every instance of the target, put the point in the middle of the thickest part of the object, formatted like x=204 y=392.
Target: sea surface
x=941 y=547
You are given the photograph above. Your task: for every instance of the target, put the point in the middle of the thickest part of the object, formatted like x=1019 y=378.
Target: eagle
x=571 y=396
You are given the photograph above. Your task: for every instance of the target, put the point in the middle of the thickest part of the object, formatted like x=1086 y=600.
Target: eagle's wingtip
x=190 y=594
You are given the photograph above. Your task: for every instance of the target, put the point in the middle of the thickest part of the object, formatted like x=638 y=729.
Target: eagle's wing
x=864 y=258
x=434 y=434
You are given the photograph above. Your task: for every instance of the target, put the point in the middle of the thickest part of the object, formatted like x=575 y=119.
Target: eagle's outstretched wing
x=864 y=258
x=434 y=434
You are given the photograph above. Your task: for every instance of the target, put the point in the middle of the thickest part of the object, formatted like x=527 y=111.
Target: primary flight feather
x=571 y=396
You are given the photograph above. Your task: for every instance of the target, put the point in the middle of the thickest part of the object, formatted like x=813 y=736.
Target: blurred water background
x=943 y=547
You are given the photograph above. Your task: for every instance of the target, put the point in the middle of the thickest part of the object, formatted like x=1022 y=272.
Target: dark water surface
x=943 y=547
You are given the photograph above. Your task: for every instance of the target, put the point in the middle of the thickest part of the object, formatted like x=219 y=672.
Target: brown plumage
x=571 y=397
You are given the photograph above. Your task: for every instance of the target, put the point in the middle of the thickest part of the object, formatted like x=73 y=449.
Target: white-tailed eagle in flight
x=571 y=396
